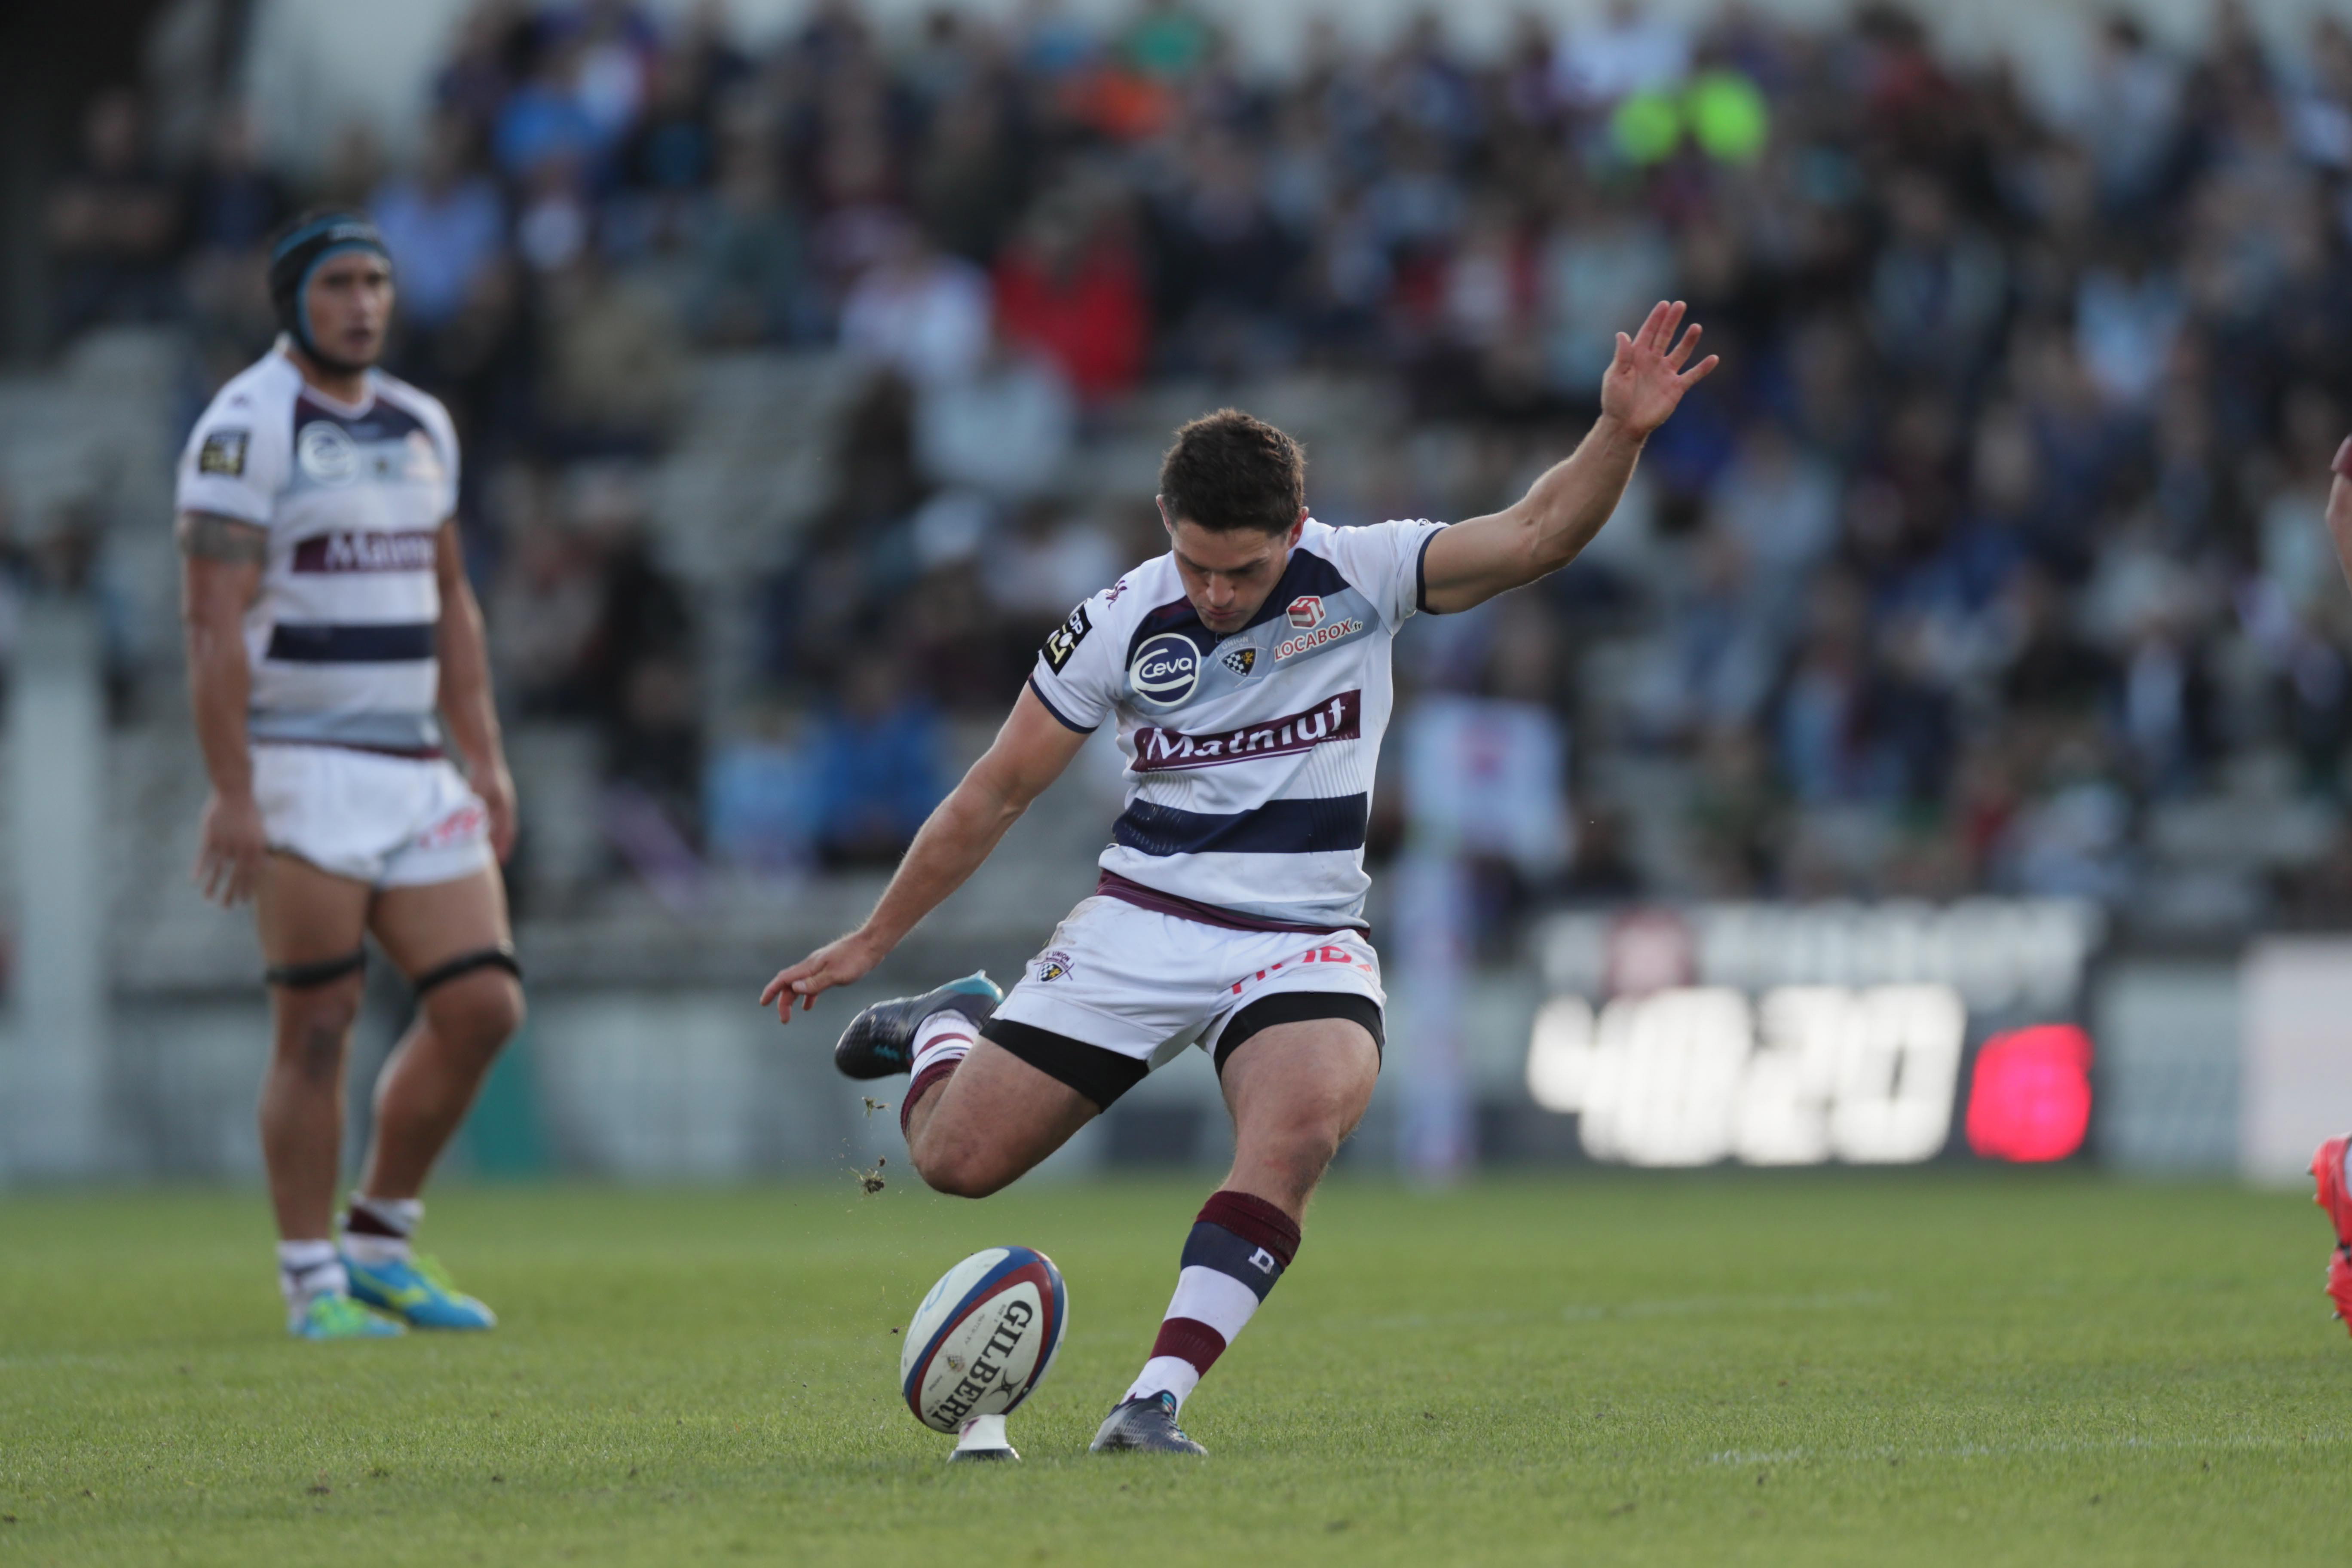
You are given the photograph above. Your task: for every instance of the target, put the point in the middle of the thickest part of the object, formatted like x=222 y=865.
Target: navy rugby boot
x=1144 y=1424
x=881 y=1040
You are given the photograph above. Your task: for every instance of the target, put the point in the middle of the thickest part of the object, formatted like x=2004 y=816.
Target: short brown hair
x=1228 y=471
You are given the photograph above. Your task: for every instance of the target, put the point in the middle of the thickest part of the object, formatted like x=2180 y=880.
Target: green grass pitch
x=1962 y=1367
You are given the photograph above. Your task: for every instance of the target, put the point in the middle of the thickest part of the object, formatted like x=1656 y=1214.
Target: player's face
x=350 y=306
x=1228 y=574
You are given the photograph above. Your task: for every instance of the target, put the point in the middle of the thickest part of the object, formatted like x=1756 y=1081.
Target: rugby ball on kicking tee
x=984 y=1338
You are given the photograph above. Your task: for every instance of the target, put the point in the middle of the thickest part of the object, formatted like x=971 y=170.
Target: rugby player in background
x=330 y=635
x=1248 y=672
x=2327 y=1166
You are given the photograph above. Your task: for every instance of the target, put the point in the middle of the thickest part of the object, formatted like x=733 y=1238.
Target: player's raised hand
x=838 y=963
x=1646 y=379
x=231 y=850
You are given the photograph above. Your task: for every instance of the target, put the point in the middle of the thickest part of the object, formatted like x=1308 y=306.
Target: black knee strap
x=498 y=957
x=310 y=976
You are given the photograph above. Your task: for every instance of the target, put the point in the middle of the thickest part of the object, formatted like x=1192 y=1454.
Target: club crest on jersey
x=327 y=454
x=1165 y=670
x=1053 y=966
x=1240 y=661
x=1063 y=640
x=1307 y=610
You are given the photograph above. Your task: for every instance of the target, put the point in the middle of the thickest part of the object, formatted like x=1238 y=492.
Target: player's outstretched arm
x=465 y=697
x=1474 y=561
x=2340 y=507
x=220 y=571
x=1028 y=754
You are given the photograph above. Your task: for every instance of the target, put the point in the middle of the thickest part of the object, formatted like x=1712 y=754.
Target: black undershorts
x=1102 y=1075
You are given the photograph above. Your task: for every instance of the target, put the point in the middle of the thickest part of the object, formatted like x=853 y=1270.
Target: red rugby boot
x=2328 y=1177
x=2339 y=1284
x=2327 y=1182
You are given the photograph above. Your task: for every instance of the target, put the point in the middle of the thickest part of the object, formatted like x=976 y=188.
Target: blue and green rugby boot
x=419 y=1292
x=881 y=1040
x=331 y=1315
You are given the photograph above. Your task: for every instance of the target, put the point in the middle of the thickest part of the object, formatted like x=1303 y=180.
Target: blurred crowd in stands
x=1998 y=535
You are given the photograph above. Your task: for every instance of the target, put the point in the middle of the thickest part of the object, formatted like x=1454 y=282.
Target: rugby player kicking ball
x=330 y=632
x=1248 y=669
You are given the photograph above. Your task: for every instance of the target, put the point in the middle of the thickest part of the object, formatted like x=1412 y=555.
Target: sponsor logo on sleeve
x=1166 y=670
x=1240 y=661
x=1063 y=640
x=223 y=453
x=327 y=453
x=1336 y=718
x=1307 y=610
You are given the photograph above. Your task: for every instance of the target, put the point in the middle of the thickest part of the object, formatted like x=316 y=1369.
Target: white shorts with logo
x=1145 y=985
x=387 y=821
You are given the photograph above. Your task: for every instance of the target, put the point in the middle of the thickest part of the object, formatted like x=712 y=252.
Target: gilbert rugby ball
x=984 y=1337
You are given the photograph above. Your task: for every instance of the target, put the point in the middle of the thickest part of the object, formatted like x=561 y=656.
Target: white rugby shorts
x=1144 y=985
x=390 y=822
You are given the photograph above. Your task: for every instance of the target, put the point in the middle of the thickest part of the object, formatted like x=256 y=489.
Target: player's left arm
x=1474 y=561
x=466 y=704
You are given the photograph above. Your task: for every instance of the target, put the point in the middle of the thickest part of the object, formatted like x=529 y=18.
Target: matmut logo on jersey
x=1338 y=718
x=358 y=550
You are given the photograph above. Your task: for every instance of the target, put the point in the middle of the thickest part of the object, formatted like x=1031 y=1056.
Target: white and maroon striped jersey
x=1250 y=755
x=340 y=637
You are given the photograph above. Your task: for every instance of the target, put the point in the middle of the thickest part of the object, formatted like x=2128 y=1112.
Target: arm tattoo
x=208 y=536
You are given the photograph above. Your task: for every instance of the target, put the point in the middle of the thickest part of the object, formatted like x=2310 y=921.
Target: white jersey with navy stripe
x=1249 y=756
x=340 y=637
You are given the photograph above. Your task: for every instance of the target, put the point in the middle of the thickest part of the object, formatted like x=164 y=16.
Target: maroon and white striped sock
x=1239 y=1246
x=941 y=1042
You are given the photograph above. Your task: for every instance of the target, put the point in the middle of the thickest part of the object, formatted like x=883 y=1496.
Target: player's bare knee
x=959 y=1169
x=482 y=1011
x=313 y=1028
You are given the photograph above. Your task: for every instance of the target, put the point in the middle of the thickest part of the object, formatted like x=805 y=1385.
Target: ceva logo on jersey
x=1166 y=670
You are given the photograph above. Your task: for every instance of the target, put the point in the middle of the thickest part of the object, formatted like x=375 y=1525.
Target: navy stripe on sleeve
x=1278 y=828
x=327 y=642
x=1421 y=572
x=1059 y=716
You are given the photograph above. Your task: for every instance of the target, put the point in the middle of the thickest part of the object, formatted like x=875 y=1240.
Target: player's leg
x=311 y=925
x=977 y=1116
x=998 y=1082
x=1297 y=1083
x=451 y=939
x=989 y=1121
